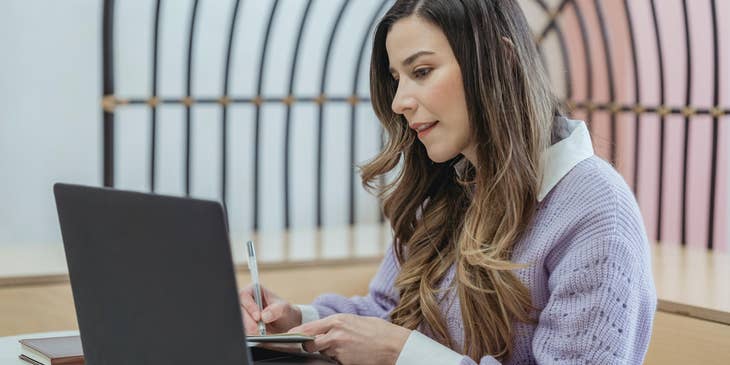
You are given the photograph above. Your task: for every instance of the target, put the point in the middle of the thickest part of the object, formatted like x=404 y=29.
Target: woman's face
x=430 y=91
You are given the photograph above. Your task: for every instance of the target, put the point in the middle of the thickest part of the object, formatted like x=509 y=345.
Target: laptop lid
x=152 y=278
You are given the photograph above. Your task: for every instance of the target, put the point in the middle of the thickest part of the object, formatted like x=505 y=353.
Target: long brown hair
x=440 y=218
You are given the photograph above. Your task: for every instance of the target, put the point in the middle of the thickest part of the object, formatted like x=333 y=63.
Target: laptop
x=153 y=280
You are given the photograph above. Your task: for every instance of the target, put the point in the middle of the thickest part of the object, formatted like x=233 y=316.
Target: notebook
x=280 y=337
x=52 y=351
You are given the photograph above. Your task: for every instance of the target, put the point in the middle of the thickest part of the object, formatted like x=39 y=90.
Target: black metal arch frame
x=638 y=109
x=590 y=105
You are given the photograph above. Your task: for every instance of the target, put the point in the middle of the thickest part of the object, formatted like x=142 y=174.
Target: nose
x=403 y=101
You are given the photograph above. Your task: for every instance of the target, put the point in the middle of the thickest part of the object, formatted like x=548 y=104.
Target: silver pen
x=253 y=268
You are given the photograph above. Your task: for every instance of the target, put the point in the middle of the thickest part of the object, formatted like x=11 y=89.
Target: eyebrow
x=412 y=58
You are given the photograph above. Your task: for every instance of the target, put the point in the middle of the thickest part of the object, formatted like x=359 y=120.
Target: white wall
x=49 y=115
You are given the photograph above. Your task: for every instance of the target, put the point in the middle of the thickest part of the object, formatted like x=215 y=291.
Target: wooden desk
x=692 y=325
x=692 y=282
x=678 y=339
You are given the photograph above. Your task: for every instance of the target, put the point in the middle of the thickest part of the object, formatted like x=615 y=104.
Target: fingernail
x=266 y=316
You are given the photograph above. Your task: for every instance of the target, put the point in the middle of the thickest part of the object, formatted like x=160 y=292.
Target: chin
x=440 y=156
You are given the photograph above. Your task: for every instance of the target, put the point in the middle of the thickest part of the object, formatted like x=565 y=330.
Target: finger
x=331 y=354
x=318 y=327
x=308 y=346
x=248 y=303
x=273 y=312
x=321 y=343
x=249 y=324
x=266 y=297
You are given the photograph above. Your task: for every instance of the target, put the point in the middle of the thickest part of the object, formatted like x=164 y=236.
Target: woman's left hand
x=352 y=339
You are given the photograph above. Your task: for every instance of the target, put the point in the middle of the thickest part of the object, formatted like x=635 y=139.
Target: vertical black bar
x=587 y=56
x=662 y=119
x=325 y=67
x=715 y=120
x=609 y=70
x=257 y=122
x=637 y=93
x=353 y=108
x=107 y=55
x=287 y=125
x=188 y=95
x=153 y=105
x=687 y=103
x=224 y=104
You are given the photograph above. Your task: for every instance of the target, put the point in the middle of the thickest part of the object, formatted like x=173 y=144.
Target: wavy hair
x=440 y=218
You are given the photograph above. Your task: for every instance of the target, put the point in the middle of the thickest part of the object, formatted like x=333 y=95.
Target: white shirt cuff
x=422 y=350
x=309 y=314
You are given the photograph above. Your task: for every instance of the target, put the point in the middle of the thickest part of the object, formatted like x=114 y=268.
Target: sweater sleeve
x=379 y=302
x=601 y=305
x=600 y=310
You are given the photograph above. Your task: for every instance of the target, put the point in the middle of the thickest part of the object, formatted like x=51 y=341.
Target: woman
x=513 y=242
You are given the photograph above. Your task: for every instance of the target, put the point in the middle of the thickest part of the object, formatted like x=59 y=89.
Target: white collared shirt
x=562 y=156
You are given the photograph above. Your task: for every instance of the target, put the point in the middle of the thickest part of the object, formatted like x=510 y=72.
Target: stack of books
x=52 y=351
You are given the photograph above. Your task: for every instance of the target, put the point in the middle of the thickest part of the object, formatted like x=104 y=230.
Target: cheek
x=448 y=98
x=446 y=91
x=450 y=101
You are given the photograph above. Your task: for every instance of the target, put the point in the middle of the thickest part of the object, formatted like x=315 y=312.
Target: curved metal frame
x=320 y=111
x=353 y=109
x=589 y=105
x=189 y=97
x=287 y=128
x=637 y=92
x=662 y=119
x=257 y=122
x=225 y=98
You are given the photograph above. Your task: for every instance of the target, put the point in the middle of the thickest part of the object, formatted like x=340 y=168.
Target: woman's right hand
x=278 y=314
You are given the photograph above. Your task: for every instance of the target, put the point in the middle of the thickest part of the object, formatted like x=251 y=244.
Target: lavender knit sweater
x=589 y=275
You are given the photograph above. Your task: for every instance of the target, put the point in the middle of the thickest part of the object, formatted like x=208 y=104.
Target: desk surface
x=692 y=281
x=10 y=348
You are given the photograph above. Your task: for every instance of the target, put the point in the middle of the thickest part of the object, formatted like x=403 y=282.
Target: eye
x=421 y=72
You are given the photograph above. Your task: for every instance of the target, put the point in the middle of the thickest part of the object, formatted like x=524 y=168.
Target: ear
x=508 y=43
x=510 y=48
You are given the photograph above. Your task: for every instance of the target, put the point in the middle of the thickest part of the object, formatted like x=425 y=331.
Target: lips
x=423 y=128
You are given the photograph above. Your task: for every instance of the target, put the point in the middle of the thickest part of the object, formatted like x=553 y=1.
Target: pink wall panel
x=655 y=169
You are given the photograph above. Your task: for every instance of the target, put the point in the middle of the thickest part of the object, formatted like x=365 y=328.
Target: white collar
x=559 y=158
x=562 y=156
